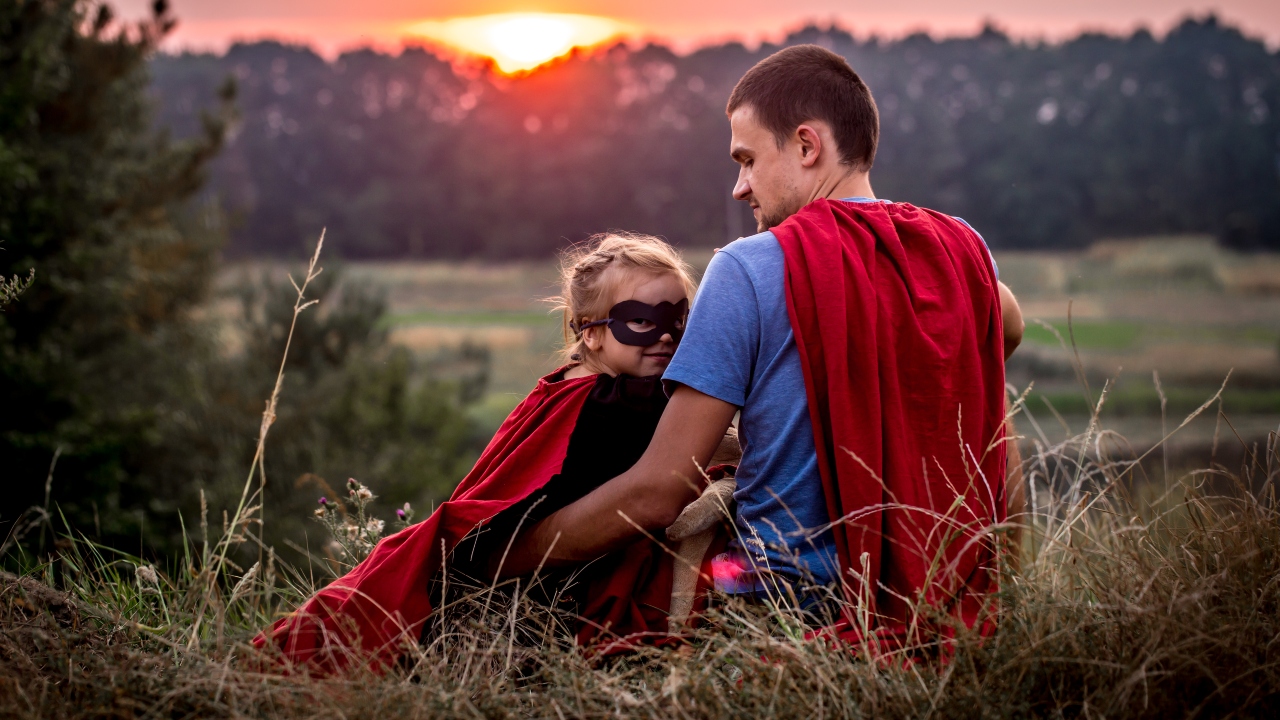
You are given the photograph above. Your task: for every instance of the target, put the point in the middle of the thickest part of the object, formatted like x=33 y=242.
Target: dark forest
x=1037 y=145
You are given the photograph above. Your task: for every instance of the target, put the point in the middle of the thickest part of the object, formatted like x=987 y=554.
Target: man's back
x=740 y=348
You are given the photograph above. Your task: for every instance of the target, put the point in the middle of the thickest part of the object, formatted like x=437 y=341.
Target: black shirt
x=613 y=430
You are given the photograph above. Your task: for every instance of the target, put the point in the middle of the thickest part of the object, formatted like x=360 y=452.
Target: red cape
x=373 y=613
x=896 y=315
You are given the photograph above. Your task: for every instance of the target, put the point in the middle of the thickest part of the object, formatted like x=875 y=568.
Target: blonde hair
x=590 y=273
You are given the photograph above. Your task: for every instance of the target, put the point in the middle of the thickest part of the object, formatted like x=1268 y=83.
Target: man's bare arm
x=1013 y=324
x=651 y=494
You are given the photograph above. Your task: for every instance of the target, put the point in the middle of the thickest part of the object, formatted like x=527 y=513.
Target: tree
x=110 y=363
x=103 y=207
x=1038 y=145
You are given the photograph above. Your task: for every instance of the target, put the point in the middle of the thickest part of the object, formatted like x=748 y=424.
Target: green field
x=1122 y=312
x=1177 y=306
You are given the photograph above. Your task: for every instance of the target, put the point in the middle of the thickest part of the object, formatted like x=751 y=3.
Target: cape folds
x=896 y=315
x=377 y=610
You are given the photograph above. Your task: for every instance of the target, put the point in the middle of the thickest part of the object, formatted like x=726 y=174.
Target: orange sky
x=331 y=25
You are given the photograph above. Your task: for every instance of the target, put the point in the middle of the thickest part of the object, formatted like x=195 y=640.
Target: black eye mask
x=667 y=319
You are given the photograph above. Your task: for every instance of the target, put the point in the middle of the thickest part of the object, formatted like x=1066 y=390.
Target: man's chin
x=768 y=221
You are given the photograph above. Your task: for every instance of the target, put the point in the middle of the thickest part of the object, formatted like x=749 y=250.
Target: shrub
x=131 y=405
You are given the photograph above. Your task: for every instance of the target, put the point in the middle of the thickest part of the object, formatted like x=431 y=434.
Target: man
x=876 y=324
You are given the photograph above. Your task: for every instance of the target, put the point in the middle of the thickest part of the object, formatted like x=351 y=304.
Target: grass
x=1110 y=335
x=430 y=317
x=1144 y=401
x=1130 y=596
x=1128 y=602
x=1123 y=334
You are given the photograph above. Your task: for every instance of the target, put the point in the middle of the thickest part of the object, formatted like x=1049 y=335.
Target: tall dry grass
x=1138 y=594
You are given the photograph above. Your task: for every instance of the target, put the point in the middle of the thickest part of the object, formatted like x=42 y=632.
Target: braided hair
x=590 y=273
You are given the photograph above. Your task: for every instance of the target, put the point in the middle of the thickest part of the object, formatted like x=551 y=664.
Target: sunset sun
x=519 y=41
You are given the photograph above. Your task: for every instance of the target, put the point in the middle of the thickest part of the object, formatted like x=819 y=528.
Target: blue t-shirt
x=738 y=347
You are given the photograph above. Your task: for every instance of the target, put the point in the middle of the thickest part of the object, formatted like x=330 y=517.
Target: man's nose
x=742 y=190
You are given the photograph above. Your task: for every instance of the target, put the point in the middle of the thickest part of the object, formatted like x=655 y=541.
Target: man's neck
x=857 y=184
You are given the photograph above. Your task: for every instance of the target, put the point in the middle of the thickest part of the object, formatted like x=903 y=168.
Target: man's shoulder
x=759 y=251
x=946 y=217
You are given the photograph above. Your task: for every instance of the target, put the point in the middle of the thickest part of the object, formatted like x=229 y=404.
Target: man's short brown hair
x=808 y=82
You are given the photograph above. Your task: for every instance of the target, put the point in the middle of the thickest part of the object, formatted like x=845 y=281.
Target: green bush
x=112 y=365
x=352 y=405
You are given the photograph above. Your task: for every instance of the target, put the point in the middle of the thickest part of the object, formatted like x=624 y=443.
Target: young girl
x=624 y=300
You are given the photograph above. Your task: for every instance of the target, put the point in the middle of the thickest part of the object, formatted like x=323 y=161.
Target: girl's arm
x=650 y=495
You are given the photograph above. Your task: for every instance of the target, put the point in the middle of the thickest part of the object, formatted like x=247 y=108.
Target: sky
x=334 y=25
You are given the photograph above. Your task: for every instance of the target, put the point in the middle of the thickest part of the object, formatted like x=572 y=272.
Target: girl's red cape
x=374 y=613
x=896 y=315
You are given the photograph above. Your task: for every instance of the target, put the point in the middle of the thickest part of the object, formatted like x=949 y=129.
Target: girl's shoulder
x=623 y=392
x=629 y=392
x=562 y=376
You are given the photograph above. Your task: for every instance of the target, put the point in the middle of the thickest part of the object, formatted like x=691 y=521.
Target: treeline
x=1038 y=145
x=123 y=401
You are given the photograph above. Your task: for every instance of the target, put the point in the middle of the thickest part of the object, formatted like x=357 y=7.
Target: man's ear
x=809 y=143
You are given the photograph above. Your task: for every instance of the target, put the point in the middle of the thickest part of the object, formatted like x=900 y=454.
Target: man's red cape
x=375 y=612
x=896 y=315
